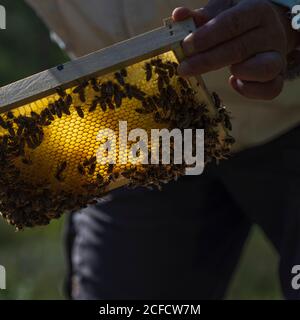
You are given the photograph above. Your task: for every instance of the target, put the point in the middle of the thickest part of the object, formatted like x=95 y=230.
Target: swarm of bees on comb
x=48 y=147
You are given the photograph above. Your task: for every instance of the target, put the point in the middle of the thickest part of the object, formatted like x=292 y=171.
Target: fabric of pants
x=185 y=241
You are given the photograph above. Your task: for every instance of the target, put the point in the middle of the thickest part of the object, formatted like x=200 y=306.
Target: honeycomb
x=49 y=147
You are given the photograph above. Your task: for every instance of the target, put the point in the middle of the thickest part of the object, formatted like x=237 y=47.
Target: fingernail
x=183 y=69
x=188 y=45
x=239 y=83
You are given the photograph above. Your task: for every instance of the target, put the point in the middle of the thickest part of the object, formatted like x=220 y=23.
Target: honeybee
x=171 y=69
x=110 y=169
x=175 y=66
x=81 y=170
x=80 y=90
x=94 y=104
x=10 y=115
x=119 y=78
x=68 y=100
x=59 y=171
x=79 y=112
x=216 y=100
x=160 y=84
x=20 y=131
x=183 y=83
x=34 y=115
x=90 y=161
x=4 y=141
x=29 y=142
x=227 y=122
x=151 y=103
x=128 y=90
x=100 y=179
x=81 y=86
x=110 y=104
x=92 y=169
x=3 y=123
x=114 y=176
x=64 y=107
x=82 y=95
x=172 y=94
x=41 y=135
x=229 y=140
x=157 y=62
x=93 y=160
x=35 y=140
x=52 y=109
x=118 y=97
x=10 y=129
x=45 y=123
x=104 y=90
x=48 y=114
x=142 y=111
x=43 y=117
x=163 y=75
x=137 y=93
x=95 y=85
x=58 y=110
x=21 y=150
x=103 y=105
x=61 y=92
x=118 y=100
x=158 y=118
x=124 y=72
x=148 y=69
x=110 y=88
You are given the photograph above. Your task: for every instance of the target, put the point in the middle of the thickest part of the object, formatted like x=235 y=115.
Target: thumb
x=203 y=15
x=182 y=13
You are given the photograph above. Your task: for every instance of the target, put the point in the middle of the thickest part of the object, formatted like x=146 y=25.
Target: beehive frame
x=122 y=55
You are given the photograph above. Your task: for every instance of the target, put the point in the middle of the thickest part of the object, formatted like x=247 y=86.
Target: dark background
x=34 y=259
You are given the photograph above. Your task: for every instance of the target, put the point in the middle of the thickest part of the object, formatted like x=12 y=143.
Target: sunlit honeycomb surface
x=72 y=139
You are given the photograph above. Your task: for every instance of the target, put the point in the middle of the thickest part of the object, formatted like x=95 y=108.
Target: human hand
x=252 y=37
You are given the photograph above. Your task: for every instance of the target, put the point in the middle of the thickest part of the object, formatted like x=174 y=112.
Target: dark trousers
x=185 y=242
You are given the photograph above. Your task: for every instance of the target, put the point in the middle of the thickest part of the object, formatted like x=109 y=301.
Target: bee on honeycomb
x=48 y=148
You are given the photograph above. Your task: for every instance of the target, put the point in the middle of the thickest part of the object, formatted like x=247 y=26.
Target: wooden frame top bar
x=98 y=63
